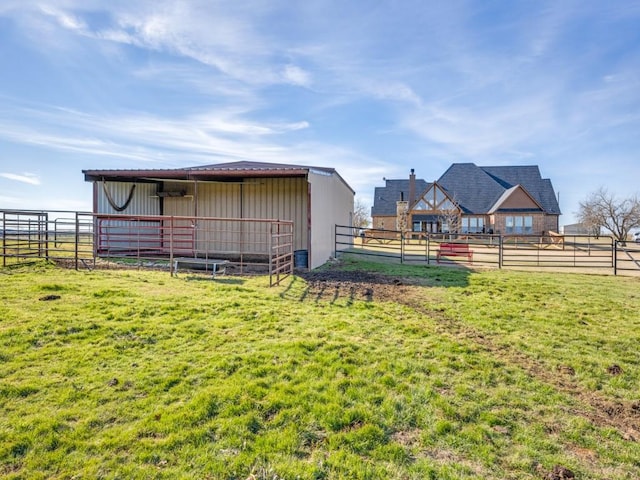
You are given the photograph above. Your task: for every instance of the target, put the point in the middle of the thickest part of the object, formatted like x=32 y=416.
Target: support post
x=77 y=239
x=4 y=239
x=171 y=268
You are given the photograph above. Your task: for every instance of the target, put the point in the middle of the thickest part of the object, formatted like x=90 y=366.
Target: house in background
x=510 y=200
x=314 y=198
x=580 y=229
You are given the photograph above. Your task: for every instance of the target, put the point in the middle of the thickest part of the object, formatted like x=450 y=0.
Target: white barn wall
x=331 y=205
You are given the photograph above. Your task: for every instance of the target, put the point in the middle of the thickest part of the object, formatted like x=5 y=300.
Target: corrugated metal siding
x=281 y=199
x=121 y=236
x=183 y=230
x=221 y=200
x=218 y=200
x=268 y=198
x=144 y=201
x=179 y=206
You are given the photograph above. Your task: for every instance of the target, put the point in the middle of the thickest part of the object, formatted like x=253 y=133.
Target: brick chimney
x=412 y=187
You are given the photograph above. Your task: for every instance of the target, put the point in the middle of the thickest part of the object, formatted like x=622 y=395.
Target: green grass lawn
x=460 y=375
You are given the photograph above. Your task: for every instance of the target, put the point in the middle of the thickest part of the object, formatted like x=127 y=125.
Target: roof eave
x=189 y=174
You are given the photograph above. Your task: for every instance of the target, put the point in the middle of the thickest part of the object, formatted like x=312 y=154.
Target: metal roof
x=244 y=166
x=214 y=172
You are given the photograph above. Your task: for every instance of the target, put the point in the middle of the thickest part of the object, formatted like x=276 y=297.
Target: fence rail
x=627 y=257
x=599 y=254
x=85 y=240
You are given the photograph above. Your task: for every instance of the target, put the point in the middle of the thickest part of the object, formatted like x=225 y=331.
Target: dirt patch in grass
x=47 y=298
x=331 y=285
x=558 y=472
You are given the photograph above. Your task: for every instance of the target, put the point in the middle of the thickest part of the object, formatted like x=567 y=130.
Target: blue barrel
x=301 y=258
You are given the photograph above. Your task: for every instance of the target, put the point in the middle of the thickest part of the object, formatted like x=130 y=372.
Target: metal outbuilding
x=314 y=198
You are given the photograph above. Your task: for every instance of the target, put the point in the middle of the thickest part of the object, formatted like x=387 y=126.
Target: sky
x=370 y=88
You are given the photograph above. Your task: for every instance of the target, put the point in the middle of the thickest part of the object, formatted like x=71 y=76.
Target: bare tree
x=450 y=216
x=360 y=214
x=602 y=210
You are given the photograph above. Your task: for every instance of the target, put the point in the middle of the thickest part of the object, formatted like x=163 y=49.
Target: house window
x=472 y=224
x=519 y=224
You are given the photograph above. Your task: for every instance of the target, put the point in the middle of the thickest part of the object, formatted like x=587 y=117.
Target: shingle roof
x=475 y=189
x=529 y=177
x=478 y=188
x=385 y=198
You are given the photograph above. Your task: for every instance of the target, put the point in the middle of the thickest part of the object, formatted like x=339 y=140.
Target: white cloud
x=65 y=20
x=29 y=178
x=216 y=136
x=395 y=91
x=485 y=132
x=218 y=35
x=213 y=36
x=296 y=76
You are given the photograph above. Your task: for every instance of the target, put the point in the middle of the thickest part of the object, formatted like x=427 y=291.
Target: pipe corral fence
x=601 y=254
x=84 y=240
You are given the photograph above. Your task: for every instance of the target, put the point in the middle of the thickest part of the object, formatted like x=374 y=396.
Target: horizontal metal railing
x=600 y=254
x=86 y=240
x=627 y=257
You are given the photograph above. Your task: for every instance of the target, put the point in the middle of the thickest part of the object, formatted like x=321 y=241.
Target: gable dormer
x=516 y=199
x=434 y=199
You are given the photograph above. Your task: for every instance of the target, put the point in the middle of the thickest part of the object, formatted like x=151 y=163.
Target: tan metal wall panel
x=144 y=201
x=220 y=200
x=179 y=206
x=269 y=198
x=280 y=199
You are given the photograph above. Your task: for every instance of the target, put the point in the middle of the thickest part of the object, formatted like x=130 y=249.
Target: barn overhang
x=153 y=176
x=221 y=172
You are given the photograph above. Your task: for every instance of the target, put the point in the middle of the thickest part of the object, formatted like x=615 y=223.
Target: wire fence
x=552 y=251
